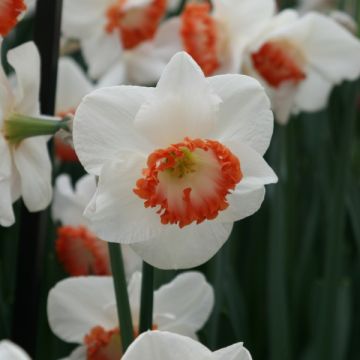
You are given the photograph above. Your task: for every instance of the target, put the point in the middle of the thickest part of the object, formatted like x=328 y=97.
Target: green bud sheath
x=19 y=127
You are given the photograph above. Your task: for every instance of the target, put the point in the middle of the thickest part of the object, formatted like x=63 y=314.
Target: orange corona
x=137 y=24
x=105 y=344
x=279 y=62
x=9 y=13
x=189 y=181
x=200 y=36
x=80 y=252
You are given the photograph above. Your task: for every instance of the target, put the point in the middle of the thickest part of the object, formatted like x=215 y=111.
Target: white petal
x=244 y=113
x=7 y=217
x=67 y=207
x=25 y=60
x=101 y=51
x=244 y=17
x=133 y=4
x=85 y=188
x=283 y=101
x=183 y=305
x=329 y=48
x=78 y=354
x=5 y=159
x=184 y=104
x=7 y=99
x=103 y=125
x=233 y=352
x=313 y=93
x=72 y=85
x=134 y=291
x=249 y=193
x=10 y=351
x=33 y=164
x=184 y=248
x=83 y=18
x=255 y=170
x=243 y=202
x=132 y=261
x=116 y=213
x=147 y=61
x=116 y=75
x=161 y=345
x=76 y=305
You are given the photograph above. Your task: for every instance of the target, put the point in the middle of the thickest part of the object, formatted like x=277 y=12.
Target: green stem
x=19 y=127
x=121 y=294
x=147 y=298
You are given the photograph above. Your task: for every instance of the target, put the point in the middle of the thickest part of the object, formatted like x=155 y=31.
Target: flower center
x=189 y=181
x=137 y=23
x=278 y=62
x=80 y=252
x=103 y=345
x=201 y=36
x=9 y=13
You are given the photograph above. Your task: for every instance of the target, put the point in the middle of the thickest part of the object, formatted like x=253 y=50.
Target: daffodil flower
x=77 y=248
x=177 y=164
x=10 y=11
x=25 y=168
x=215 y=36
x=162 y=345
x=72 y=86
x=83 y=310
x=113 y=31
x=10 y=351
x=300 y=59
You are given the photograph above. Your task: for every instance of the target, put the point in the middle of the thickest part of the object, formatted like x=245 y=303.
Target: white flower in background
x=80 y=251
x=25 y=168
x=215 y=36
x=72 y=86
x=162 y=345
x=345 y=20
x=300 y=59
x=329 y=7
x=110 y=31
x=10 y=13
x=10 y=351
x=83 y=310
x=318 y=5
x=177 y=164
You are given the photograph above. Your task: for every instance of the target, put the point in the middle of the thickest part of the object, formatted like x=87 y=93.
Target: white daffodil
x=80 y=251
x=110 y=31
x=177 y=164
x=216 y=35
x=10 y=12
x=162 y=345
x=300 y=59
x=329 y=7
x=83 y=310
x=10 y=351
x=72 y=86
x=25 y=168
